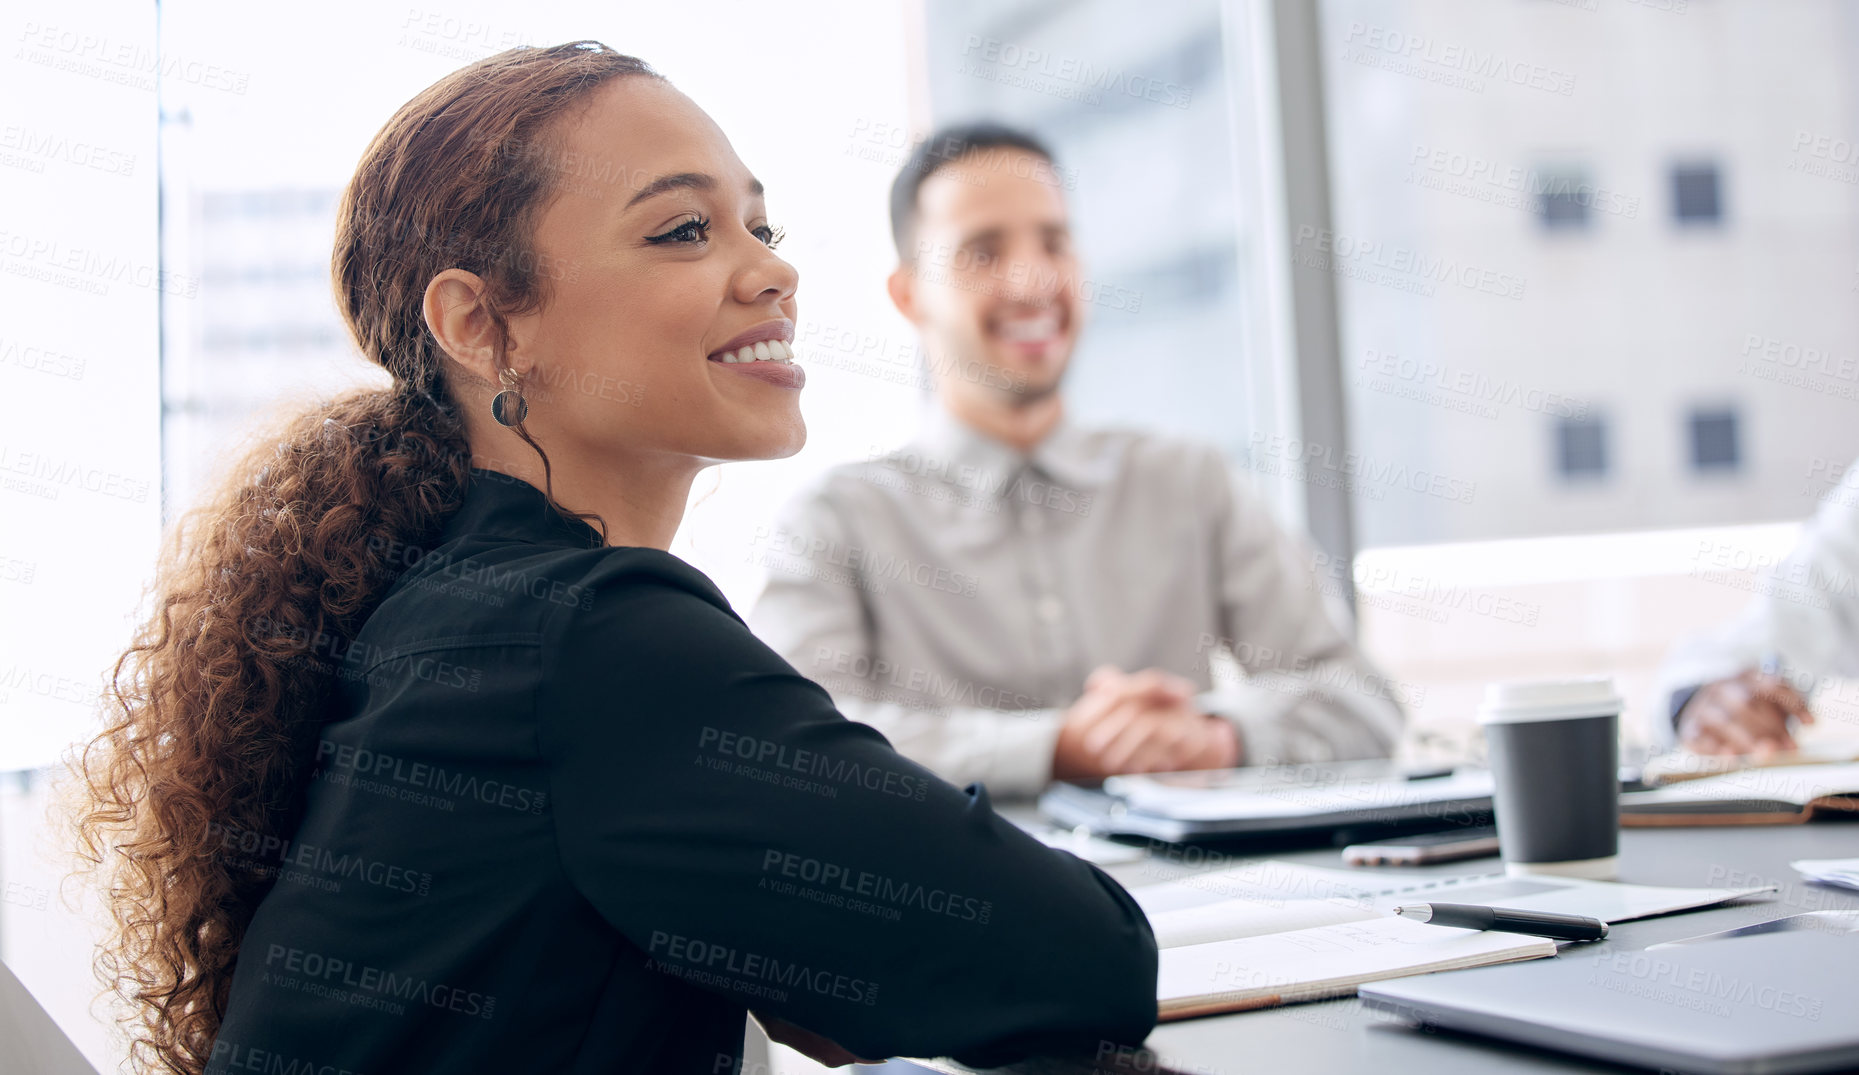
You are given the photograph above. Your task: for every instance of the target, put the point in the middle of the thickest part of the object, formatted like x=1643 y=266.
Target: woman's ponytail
x=215 y=706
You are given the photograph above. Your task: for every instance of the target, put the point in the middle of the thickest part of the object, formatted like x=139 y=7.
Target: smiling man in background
x=1013 y=599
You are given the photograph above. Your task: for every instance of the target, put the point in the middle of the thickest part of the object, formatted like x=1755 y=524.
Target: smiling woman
x=429 y=757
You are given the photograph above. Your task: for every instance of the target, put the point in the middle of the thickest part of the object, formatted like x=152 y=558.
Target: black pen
x=1562 y=927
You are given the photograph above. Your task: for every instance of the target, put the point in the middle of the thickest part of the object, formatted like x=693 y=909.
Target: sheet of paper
x=1271 y=880
x=1608 y=901
x=1680 y=765
x=1797 y=784
x=1267 y=880
x=1326 y=961
x=1842 y=872
x=1293 y=799
x=1249 y=918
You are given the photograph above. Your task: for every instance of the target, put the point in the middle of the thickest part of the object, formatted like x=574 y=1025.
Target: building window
x=1581 y=448
x=1715 y=445
x=1564 y=200
x=1697 y=194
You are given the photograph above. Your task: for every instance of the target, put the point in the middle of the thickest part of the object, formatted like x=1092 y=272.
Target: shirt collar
x=505 y=506
x=1075 y=458
x=1068 y=455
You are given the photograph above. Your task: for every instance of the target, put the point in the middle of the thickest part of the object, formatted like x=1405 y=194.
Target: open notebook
x=1680 y=765
x=1322 y=962
x=1770 y=795
x=1268 y=933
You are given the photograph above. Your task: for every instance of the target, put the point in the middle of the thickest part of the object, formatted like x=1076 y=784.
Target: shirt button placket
x=1060 y=673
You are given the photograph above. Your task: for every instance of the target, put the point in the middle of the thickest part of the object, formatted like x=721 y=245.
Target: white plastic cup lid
x=1549 y=699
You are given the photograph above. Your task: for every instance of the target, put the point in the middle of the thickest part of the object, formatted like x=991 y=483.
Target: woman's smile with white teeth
x=766 y=351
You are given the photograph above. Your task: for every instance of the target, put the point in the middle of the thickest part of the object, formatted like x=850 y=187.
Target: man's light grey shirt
x=955 y=594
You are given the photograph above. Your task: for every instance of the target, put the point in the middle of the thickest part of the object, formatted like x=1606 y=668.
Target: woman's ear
x=459 y=318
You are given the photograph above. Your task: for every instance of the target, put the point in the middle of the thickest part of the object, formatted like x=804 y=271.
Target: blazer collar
x=504 y=506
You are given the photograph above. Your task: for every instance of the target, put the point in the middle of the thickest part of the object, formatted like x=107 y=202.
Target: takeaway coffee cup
x=1554 y=751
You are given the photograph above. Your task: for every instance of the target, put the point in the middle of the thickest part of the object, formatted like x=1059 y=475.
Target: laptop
x=1362 y=799
x=1768 y=1000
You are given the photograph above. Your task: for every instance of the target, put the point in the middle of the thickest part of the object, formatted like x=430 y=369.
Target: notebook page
x=1298 y=800
x=1680 y=765
x=1797 y=784
x=1271 y=881
x=1249 y=918
x=1609 y=901
x=1327 y=961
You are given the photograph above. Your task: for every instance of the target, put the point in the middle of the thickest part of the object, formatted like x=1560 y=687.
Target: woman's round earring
x=508 y=406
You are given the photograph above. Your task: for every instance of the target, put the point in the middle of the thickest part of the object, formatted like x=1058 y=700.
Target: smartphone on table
x=1449 y=846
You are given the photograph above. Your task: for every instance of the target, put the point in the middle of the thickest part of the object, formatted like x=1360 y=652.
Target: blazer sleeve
x=746 y=838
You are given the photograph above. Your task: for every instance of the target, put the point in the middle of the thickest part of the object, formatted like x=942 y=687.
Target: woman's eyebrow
x=684 y=181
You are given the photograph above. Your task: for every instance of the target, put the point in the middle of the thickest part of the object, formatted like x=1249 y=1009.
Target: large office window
x=1445 y=161
x=1454 y=172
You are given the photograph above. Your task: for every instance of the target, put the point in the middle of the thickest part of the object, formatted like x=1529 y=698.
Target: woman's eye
x=770 y=236
x=691 y=231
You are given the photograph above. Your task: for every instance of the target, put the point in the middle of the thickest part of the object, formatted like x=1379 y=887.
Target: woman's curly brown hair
x=215 y=706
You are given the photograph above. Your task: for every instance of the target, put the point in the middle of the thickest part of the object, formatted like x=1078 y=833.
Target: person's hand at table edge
x=1745 y=714
x=1140 y=722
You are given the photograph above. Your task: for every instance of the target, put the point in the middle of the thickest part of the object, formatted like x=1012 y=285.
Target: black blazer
x=569 y=815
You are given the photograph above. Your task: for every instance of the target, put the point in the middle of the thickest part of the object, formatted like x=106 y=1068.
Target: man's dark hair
x=938 y=151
